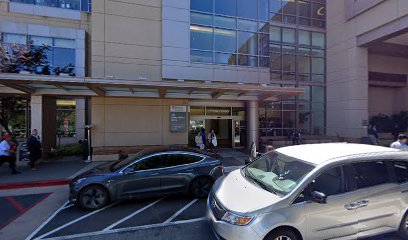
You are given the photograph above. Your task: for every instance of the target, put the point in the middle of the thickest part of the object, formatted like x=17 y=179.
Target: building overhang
x=31 y=84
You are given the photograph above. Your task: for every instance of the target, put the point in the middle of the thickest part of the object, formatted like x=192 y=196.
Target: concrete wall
x=126 y=39
x=118 y=122
x=347 y=64
x=387 y=100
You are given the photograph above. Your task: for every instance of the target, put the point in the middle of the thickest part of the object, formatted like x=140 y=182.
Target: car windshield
x=121 y=163
x=277 y=173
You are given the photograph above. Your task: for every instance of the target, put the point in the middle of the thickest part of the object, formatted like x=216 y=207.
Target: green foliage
x=10 y=107
x=387 y=123
x=70 y=149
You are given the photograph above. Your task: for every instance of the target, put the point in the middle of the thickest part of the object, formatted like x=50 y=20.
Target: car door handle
x=351 y=206
x=154 y=174
x=189 y=170
x=363 y=203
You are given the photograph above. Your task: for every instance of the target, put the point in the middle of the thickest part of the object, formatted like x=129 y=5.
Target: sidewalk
x=55 y=172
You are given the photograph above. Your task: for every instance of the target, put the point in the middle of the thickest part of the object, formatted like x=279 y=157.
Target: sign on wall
x=178 y=118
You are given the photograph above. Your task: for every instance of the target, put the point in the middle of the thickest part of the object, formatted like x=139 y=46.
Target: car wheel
x=403 y=230
x=201 y=187
x=93 y=197
x=282 y=234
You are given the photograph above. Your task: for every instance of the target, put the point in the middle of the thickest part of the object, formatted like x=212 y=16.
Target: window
x=202 y=5
x=180 y=159
x=233 y=32
x=83 y=5
x=368 y=174
x=331 y=182
x=148 y=163
x=401 y=170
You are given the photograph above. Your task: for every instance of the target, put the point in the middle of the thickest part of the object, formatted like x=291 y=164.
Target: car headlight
x=236 y=220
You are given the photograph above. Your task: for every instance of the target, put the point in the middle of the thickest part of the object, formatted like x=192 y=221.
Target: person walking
x=6 y=153
x=372 y=134
x=34 y=148
x=212 y=140
x=401 y=143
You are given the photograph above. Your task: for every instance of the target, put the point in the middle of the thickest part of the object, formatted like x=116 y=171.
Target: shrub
x=70 y=149
x=387 y=123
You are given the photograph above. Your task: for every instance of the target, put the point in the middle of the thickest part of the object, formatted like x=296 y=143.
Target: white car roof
x=319 y=153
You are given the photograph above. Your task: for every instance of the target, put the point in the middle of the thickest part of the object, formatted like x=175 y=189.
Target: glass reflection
x=225 y=40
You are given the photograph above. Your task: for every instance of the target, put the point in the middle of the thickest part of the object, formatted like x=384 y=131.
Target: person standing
x=296 y=137
x=204 y=139
x=372 y=134
x=6 y=153
x=199 y=141
x=401 y=143
x=212 y=140
x=34 y=148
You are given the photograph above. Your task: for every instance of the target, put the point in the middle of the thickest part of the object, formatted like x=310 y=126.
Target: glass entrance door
x=239 y=133
x=195 y=127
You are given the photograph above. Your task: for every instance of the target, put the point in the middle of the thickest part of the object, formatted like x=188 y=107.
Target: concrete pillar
x=80 y=115
x=44 y=119
x=253 y=123
x=36 y=113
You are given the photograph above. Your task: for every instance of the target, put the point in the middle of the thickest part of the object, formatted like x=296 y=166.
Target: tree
x=9 y=108
x=14 y=58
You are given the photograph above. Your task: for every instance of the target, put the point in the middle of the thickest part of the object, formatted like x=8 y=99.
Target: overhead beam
x=62 y=87
x=267 y=97
x=19 y=87
x=98 y=90
x=217 y=95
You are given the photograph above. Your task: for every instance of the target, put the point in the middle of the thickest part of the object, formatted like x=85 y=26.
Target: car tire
x=282 y=234
x=93 y=197
x=201 y=187
x=403 y=229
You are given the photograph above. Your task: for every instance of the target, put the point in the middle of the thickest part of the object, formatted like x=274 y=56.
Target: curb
x=33 y=184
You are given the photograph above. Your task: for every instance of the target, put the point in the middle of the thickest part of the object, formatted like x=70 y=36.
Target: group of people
x=8 y=150
x=400 y=143
x=201 y=140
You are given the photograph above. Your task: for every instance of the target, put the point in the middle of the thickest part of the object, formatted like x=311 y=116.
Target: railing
x=80 y=5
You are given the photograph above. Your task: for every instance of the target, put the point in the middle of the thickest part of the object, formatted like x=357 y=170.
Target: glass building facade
x=286 y=36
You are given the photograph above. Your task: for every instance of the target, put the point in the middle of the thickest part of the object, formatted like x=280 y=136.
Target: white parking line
x=64 y=206
x=129 y=229
x=180 y=211
x=131 y=215
x=74 y=221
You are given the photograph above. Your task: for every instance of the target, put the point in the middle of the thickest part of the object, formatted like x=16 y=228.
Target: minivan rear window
x=277 y=173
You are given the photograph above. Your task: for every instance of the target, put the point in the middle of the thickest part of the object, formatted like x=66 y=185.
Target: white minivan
x=313 y=192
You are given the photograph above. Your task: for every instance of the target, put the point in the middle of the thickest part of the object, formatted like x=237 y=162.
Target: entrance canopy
x=75 y=86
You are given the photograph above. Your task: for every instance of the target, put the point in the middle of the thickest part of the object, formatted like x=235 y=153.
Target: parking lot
x=174 y=218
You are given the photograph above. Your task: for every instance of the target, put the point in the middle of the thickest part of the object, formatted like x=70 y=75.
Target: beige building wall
x=126 y=39
x=382 y=99
x=119 y=122
x=348 y=64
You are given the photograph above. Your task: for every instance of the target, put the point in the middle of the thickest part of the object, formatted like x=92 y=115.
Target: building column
x=44 y=119
x=80 y=113
x=253 y=123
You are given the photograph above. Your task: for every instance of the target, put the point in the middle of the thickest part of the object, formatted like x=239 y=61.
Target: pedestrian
x=203 y=138
x=6 y=153
x=372 y=134
x=395 y=131
x=295 y=137
x=199 y=141
x=212 y=140
x=401 y=143
x=34 y=148
x=269 y=148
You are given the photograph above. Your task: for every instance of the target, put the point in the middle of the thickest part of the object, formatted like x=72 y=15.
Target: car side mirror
x=129 y=170
x=318 y=197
